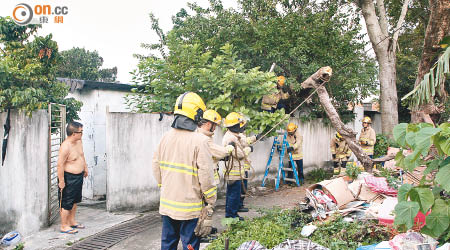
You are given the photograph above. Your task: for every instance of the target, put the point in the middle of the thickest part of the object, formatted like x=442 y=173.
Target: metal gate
x=56 y=135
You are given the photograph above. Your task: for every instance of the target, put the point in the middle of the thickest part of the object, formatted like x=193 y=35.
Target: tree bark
x=437 y=28
x=385 y=50
x=314 y=82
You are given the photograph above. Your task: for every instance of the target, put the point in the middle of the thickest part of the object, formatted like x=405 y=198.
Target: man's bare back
x=73 y=152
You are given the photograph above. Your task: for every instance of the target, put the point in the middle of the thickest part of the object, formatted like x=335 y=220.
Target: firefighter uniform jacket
x=367 y=135
x=270 y=101
x=182 y=167
x=296 y=141
x=245 y=142
x=218 y=152
x=340 y=149
x=237 y=170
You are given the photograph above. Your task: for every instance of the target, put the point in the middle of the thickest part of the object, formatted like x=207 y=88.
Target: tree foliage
x=222 y=81
x=433 y=83
x=429 y=196
x=298 y=36
x=79 y=63
x=28 y=70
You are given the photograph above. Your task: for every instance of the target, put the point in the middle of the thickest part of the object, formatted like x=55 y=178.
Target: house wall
x=93 y=117
x=24 y=175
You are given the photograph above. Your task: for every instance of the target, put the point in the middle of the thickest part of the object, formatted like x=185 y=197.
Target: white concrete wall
x=93 y=117
x=23 y=177
x=132 y=139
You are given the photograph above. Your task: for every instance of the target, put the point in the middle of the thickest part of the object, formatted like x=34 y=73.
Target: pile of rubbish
x=286 y=245
x=368 y=197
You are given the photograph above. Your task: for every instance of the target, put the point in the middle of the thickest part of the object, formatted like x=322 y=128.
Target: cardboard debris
x=361 y=191
x=338 y=188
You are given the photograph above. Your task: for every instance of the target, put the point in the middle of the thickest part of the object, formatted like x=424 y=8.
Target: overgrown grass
x=276 y=226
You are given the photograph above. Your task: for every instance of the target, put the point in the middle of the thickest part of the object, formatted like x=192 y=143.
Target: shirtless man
x=72 y=168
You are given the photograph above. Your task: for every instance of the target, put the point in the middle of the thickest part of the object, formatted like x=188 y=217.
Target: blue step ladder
x=281 y=147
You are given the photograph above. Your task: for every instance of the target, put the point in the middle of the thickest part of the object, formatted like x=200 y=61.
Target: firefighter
x=182 y=169
x=245 y=142
x=234 y=172
x=368 y=137
x=272 y=102
x=340 y=151
x=295 y=140
x=212 y=119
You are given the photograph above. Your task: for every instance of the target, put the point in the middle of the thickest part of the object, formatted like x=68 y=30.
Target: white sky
x=114 y=28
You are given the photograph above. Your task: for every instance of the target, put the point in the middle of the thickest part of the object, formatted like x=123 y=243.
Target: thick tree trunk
x=438 y=27
x=314 y=81
x=385 y=50
x=388 y=91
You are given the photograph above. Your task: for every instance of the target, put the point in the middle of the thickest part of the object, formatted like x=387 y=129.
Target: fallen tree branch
x=314 y=82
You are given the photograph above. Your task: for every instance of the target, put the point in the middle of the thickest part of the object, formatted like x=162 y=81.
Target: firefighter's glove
x=290 y=149
x=229 y=149
x=258 y=136
x=334 y=156
x=247 y=150
x=285 y=89
x=204 y=224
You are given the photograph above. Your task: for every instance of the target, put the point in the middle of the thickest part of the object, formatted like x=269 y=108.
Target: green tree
x=79 y=63
x=222 y=81
x=299 y=37
x=28 y=70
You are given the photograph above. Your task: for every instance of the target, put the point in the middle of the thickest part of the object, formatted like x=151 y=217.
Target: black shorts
x=72 y=192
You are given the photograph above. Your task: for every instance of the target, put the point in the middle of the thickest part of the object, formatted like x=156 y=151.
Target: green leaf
x=411 y=139
x=400 y=133
x=437 y=191
x=443 y=177
x=403 y=192
x=438 y=219
x=432 y=165
x=424 y=197
x=400 y=159
x=442 y=143
x=423 y=139
x=405 y=212
x=412 y=161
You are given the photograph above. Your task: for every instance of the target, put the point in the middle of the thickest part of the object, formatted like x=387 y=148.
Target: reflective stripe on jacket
x=237 y=171
x=296 y=141
x=340 y=149
x=368 y=135
x=182 y=167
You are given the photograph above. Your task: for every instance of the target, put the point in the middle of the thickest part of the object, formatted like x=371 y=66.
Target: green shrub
x=382 y=144
x=318 y=175
x=352 y=171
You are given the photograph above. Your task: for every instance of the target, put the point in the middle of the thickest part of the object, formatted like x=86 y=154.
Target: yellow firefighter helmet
x=291 y=127
x=367 y=120
x=212 y=116
x=190 y=105
x=281 y=80
x=232 y=119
